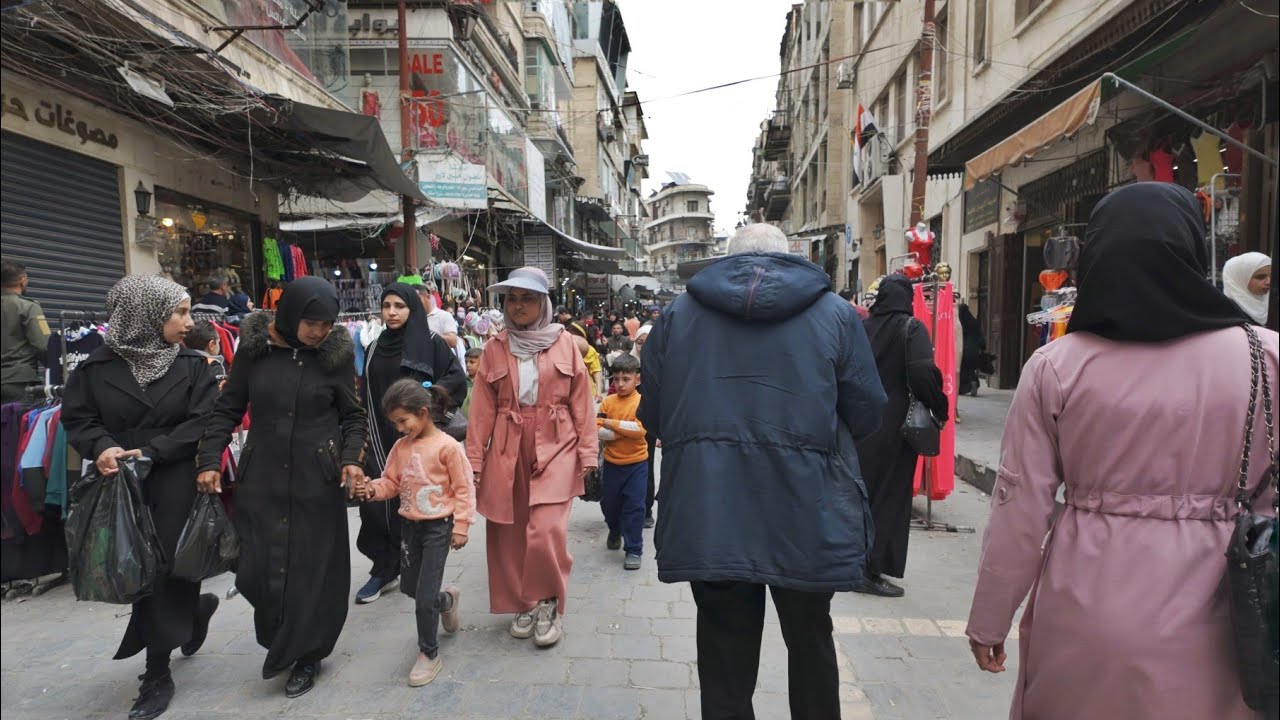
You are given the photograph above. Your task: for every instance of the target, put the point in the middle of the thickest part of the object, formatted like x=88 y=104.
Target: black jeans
x=426 y=548
x=730 y=622
x=379 y=537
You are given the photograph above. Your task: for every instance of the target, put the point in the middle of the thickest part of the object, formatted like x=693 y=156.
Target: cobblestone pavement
x=628 y=651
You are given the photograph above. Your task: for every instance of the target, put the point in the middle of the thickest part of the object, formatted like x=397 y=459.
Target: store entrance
x=204 y=238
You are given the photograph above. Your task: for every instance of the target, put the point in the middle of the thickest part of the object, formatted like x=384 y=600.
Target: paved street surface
x=628 y=651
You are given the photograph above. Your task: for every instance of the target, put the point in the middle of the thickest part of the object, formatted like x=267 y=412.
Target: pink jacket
x=432 y=478
x=565 y=427
x=1128 y=610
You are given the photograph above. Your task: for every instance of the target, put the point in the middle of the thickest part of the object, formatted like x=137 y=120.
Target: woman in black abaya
x=904 y=357
x=306 y=443
x=407 y=348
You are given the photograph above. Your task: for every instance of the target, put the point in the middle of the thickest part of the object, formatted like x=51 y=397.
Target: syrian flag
x=864 y=127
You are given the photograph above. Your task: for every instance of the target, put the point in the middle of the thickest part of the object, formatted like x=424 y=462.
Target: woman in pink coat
x=1139 y=412
x=531 y=439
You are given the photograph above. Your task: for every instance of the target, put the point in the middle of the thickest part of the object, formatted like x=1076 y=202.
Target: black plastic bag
x=592 y=487
x=113 y=552
x=208 y=545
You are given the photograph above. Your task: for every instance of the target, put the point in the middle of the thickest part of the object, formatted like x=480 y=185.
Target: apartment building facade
x=680 y=230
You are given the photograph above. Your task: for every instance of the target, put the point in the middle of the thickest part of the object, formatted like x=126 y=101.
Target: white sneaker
x=523 y=626
x=546 y=629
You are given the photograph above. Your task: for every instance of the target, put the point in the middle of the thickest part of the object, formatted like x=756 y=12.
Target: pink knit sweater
x=433 y=479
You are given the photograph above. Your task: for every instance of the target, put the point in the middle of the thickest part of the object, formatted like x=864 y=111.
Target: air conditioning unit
x=845 y=76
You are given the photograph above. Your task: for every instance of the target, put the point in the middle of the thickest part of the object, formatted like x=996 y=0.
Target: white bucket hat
x=525 y=278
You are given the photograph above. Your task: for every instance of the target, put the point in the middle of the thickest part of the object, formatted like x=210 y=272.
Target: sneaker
x=632 y=562
x=649 y=521
x=614 y=542
x=153 y=698
x=373 y=589
x=208 y=605
x=449 y=619
x=522 y=627
x=424 y=670
x=546 y=628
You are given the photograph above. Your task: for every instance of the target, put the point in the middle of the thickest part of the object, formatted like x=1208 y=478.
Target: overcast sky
x=682 y=45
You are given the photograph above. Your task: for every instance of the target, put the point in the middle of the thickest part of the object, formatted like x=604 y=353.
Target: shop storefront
x=203 y=239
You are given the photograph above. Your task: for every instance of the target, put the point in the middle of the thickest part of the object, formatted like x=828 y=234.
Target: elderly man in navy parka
x=757 y=382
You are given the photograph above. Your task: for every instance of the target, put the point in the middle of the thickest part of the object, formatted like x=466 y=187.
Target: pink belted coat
x=566 y=427
x=1128 y=611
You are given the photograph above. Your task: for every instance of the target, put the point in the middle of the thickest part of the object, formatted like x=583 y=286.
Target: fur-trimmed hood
x=336 y=351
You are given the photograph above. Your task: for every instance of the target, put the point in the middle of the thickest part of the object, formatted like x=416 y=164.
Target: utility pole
x=924 y=112
x=410 y=236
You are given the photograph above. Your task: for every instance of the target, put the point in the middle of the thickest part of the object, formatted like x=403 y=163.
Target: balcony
x=683 y=215
x=777 y=135
x=777 y=198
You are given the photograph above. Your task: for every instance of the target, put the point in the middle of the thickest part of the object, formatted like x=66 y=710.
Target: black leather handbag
x=920 y=428
x=1252 y=576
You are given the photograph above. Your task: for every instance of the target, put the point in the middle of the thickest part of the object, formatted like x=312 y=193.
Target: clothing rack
x=88 y=316
x=931 y=285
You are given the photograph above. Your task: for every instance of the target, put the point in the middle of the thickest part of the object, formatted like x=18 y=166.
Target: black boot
x=153 y=697
x=302 y=679
x=208 y=606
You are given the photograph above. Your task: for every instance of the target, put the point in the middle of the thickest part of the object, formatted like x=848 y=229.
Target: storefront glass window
x=203 y=238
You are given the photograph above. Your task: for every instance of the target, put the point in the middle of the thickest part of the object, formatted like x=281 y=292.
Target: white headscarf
x=1235 y=283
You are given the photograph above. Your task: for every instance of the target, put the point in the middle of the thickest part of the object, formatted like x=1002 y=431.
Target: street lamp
x=143 y=197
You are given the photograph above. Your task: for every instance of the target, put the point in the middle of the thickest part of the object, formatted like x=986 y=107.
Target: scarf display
x=139 y=306
x=1143 y=268
x=1235 y=283
x=307 y=298
x=542 y=334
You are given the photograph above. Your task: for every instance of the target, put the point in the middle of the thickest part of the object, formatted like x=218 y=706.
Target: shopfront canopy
x=1061 y=122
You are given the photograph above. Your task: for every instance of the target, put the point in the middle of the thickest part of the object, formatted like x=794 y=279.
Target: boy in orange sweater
x=625 y=475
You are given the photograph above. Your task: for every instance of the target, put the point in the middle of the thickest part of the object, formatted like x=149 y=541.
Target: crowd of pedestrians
x=777 y=406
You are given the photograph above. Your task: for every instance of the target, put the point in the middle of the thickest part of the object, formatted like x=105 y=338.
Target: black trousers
x=379 y=537
x=648 y=496
x=730 y=623
x=426 y=548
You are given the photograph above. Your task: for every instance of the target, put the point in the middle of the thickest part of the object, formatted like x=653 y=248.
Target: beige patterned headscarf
x=139 y=306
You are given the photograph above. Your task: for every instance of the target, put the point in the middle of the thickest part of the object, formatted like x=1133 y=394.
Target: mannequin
x=920 y=242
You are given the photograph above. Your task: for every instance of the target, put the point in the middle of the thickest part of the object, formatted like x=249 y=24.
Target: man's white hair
x=757 y=237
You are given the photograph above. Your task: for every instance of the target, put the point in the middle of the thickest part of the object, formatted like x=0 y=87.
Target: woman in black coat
x=144 y=395
x=974 y=345
x=904 y=358
x=407 y=348
x=306 y=442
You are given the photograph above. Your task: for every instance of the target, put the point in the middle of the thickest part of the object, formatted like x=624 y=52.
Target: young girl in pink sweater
x=431 y=474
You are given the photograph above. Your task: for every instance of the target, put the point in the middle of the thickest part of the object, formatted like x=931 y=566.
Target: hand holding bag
x=113 y=552
x=920 y=428
x=208 y=545
x=1252 y=576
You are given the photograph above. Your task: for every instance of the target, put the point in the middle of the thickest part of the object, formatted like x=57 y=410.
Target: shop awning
x=321 y=223
x=356 y=140
x=583 y=246
x=1063 y=121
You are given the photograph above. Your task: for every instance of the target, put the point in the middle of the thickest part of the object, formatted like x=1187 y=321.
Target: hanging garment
x=942 y=477
x=1161 y=164
x=1233 y=158
x=271 y=298
x=1209 y=162
x=80 y=342
x=274 y=264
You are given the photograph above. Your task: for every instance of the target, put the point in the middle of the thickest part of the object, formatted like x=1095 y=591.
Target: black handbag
x=920 y=428
x=1252 y=577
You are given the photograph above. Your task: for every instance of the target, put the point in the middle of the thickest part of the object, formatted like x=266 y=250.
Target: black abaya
x=291 y=512
x=888 y=463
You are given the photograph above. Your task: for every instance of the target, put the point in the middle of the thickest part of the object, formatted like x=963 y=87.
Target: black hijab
x=307 y=298
x=410 y=345
x=891 y=311
x=1143 y=267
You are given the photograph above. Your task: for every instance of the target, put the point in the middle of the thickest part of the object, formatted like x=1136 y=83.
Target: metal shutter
x=60 y=216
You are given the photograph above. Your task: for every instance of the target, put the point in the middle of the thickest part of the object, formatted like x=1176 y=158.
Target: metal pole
x=924 y=111
x=1213 y=225
x=406 y=138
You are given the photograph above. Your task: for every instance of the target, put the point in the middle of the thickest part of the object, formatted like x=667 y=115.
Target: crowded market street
x=628 y=651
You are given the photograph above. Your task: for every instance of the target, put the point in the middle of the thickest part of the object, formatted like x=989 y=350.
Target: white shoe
x=546 y=629
x=523 y=626
x=424 y=671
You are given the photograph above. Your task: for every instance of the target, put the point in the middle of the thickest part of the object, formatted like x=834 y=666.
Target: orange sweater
x=433 y=479
x=620 y=417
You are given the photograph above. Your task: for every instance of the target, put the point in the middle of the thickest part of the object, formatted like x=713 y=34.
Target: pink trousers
x=529 y=559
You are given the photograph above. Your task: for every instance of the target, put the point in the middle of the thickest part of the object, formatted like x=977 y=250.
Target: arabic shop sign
x=453 y=183
x=54 y=116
